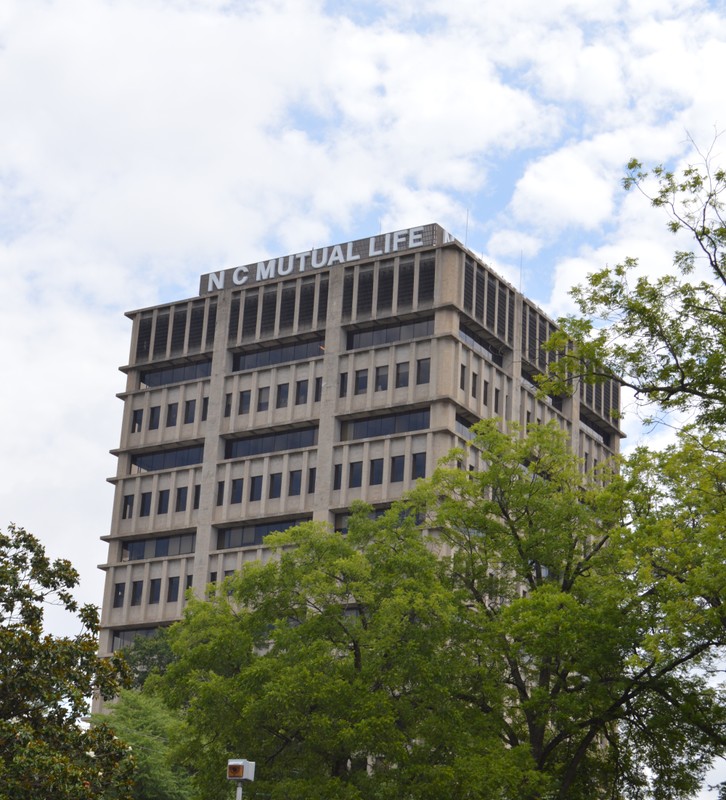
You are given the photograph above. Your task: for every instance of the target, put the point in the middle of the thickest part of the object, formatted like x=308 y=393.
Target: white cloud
x=145 y=143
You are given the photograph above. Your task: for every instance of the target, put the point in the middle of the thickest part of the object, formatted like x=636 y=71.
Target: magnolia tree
x=45 y=683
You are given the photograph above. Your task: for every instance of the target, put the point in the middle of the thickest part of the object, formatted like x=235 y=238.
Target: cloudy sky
x=145 y=142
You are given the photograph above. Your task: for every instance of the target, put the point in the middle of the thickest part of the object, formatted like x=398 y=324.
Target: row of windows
x=489 y=300
x=396 y=471
x=282 y=307
x=252 y=535
x=127 y=637
x=596 y=431
x=474 y=386
x=189 y=409
x=380 y=377
x=479 y=344
x=603 y=398
x=176 y=330
x=389 y=334
x=163 y=497
x=136 y=594
x=158 y=547
x=536 y=330
x=280 y=354
x=282 y=396
x=183 y=372
x=168 y=459
x=271 y=442
x=171 y=415
x=294 y=483
x=385 y=424
x=387 y=281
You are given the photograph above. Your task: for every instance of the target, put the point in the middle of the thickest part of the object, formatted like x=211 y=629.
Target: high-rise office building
x=289 y=388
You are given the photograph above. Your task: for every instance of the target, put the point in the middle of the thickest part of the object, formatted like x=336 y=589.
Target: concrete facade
x=289 y=388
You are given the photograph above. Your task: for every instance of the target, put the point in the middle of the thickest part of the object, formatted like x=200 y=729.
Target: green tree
x=664 y=338
x=148 y=655
x=45 y=681
x=149 y=727
x=554 y=640
x=326 y=666
x=594 y=607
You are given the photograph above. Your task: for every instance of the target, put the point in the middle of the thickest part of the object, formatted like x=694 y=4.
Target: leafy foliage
x=148 y=727
x=554 y=640
x=44 y=683
x=665 y=338
x=148 y=655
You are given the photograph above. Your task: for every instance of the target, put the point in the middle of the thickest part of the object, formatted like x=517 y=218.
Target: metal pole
x=239 y=790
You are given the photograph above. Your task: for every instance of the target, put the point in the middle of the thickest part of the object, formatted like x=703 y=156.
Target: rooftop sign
x=385 y=244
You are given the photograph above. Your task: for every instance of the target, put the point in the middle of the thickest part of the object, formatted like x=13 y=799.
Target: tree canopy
x=148 y=726
x=45 y=682
x=665 y=337
x=554 y=640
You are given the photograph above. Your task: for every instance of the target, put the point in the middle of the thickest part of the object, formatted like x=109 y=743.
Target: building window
x=228 y=404
x=355 y=474
x=127 y=510
x=172 y=591
x=145 y=505
x=385 y=424
x=251 y=535
x=236 y=491
x=474 y=384
x=318 y=389
x=418 y=466
x=137 y=419
x=337 y=475
x=401 y=374
x=205 y=408
x=255 y=487
x=162 y=505
x=397 y=468
x=343 y=384
x=312 y=474
x=271 y=442
x=188 y=581
x=154 y=417
x=137 y=590
x=381 y=379
x=462 y=377
x=168 y=459
x=294 y=483
x=181 y=499
x=197 y=495
x=375 y=477
x=220 y=493
x=275 y=485
x=361 y=381
x=423 y=370
x=167 y=375
x=263 y=398
x=278 y=354
x=283 y=391
x=119 y=591
x=387 y=334
x=244 y=402
x=496 y=401
x=301 y=393
x=171 y=412
x=190 y=407
x=485 y=393
x=154 y=591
